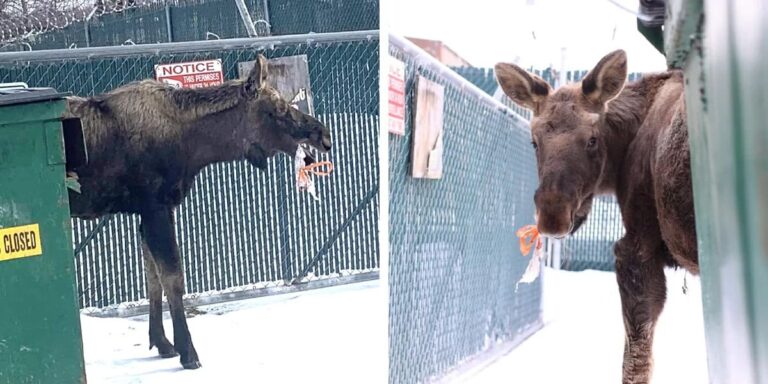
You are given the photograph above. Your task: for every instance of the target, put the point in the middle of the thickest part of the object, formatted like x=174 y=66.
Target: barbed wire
x=21 y=20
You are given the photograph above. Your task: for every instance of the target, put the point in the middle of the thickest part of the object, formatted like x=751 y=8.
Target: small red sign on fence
x=396 y=96
x=196 y=74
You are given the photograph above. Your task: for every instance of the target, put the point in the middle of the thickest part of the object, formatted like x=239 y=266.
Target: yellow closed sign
x=23 y=241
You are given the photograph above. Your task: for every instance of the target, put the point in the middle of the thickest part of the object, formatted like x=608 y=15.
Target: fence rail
x=240 y=228
x=454 y=258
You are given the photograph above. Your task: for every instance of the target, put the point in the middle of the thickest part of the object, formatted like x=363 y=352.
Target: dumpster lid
x=14 y=96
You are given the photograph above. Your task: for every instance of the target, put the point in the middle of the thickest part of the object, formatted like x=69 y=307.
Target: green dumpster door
x=40 y=340
x=726 y=95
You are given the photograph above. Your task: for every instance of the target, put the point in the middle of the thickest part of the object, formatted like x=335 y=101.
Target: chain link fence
x=240 y=228
x=79 y=23
x=454 y=257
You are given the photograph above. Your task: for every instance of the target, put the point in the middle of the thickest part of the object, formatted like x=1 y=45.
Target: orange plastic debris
x=529 y=235
x=313 y=169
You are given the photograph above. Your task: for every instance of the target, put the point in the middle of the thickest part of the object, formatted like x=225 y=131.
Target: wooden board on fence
x=427 y=155
x=290 y=76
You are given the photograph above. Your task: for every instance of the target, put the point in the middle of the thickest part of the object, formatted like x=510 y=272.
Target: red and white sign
x=396 y=96
x=195 y=74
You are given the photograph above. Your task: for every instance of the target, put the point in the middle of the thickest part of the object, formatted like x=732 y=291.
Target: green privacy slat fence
x=454 y=258
x=592 y=245
x=193 y=20
x=240 y=226
x=302 y=16
x=485 y=79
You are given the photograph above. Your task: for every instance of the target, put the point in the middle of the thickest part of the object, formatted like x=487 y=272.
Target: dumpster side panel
x=40 y=338
x=726 y=93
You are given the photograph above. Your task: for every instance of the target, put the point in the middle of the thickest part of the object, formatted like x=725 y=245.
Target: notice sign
x=396 y=96
x=195 y=74
x=17 y=242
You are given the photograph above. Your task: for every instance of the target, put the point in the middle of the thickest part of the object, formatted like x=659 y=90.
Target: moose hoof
x=191 y=365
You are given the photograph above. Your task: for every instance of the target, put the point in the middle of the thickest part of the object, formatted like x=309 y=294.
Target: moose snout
x=326 y=141
x=319 y=136
x=554 y=213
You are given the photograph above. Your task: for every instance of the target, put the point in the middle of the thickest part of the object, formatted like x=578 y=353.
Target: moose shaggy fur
x=602 y=137
x=147 y=141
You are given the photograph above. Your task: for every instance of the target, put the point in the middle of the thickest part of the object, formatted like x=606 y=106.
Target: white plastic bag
x=304 y=180
x=533 y=270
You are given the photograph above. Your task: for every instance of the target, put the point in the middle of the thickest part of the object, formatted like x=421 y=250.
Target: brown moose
x=602 y=137
x=147 y=141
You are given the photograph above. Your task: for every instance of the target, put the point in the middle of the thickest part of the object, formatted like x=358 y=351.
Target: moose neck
x=620 y=123
x=218 y=137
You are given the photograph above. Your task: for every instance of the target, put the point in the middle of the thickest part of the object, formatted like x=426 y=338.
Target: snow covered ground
x=338 y=335
x=333 y=334
x=583 y=337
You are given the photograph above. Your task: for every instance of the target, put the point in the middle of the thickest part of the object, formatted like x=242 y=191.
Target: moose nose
x=554 y=213
x=326 y=142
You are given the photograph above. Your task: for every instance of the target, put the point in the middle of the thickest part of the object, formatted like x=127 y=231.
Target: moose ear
x=257 y=79
x=522 y=87
x=606 y=80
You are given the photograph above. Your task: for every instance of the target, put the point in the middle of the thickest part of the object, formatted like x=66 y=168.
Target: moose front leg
x=643 y=290
x=155 y=289
x=159 y=235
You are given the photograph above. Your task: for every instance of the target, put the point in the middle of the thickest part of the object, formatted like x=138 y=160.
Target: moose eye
x=592 y=142
x=535 y=146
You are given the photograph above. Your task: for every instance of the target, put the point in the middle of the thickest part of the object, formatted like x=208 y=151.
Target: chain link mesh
x=454 y=258
x=241 y=228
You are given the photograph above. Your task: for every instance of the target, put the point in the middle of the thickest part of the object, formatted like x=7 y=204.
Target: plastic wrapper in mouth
x=306 y=166
x=531 y=239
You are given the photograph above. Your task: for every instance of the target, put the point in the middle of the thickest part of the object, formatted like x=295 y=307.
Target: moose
x=601 y=136
x=146 y=142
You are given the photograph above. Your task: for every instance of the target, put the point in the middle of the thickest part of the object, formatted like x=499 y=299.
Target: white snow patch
x=583 y=337
x=326 y=335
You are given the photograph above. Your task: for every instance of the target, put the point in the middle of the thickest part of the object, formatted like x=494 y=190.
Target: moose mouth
x=326 y=144
x=323 y=145
x=560 y=222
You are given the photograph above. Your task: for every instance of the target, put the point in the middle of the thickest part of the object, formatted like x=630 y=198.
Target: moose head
x=570 y=137
x=281 y=128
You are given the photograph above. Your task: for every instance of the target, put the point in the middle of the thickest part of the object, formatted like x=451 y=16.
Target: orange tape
x=529 y=235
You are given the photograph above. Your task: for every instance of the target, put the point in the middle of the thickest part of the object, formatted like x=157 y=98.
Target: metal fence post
x=246 y=17
x=266 y=17
x=86 y=26
x=282 y=219
x=168 y=25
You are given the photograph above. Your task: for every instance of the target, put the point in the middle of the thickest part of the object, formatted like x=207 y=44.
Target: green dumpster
x=40 y=340
x=721 y=46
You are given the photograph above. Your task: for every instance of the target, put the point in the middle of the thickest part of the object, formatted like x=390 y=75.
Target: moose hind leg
x=158 y=232
x=643 y=290
x=155 y=289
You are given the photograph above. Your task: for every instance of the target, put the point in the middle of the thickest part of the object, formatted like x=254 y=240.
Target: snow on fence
x=454 y=258
x=240 y=229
